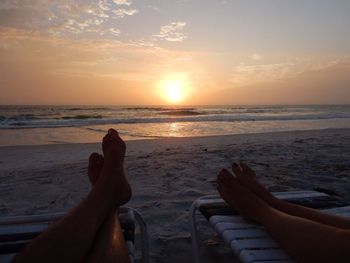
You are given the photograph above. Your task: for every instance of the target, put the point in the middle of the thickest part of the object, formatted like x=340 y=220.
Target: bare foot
x=247 y=177
x=113 y=166
x=95 y=167
x=237 y=196
x=114 y=147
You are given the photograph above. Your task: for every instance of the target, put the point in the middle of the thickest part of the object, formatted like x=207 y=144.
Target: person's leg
x=305 y=240
x=109 y=244
x=70 y=239
x=247 y=177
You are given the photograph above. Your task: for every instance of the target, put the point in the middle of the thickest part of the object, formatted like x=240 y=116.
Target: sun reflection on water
x=174 y=129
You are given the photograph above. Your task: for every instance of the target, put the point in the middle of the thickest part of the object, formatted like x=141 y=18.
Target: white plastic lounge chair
x=17 y=232
x=249 y=241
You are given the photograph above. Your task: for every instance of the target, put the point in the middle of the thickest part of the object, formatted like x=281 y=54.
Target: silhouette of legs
x=71 y=239
x=109 y=244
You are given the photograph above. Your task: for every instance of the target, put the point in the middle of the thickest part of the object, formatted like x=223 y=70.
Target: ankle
x=264 y=213
x=270 y=199
x=114 y=168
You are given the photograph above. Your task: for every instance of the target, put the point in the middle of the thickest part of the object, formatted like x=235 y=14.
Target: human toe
x=113 y=133
x=236 y=169
x=94 y=158
x=244 y=166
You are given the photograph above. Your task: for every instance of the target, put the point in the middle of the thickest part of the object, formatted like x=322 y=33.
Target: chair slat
x=226 y=219
x=20 y=232
x=299 y=194
x=344 y=211
x=249 y=256
x=257 y=243
x=12 y=247
x=221 y=227
x=230 y=235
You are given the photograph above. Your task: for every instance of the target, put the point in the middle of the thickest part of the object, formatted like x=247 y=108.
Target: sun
x=174 y=89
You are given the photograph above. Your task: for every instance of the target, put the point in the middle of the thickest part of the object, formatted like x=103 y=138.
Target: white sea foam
x=23 y=125
x=43 y=117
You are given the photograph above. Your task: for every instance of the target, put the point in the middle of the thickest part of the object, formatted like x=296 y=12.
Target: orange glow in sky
x=174 y=88
x=123 y=52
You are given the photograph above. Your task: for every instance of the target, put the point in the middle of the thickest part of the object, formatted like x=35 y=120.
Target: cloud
x=122 y=2
x=90 y=19
x=324 y=86
x=120 y=13
x=114 y=31
x=8 y=4
x=256 y=57
x=330 y=63
x=246 y=74
x=171 y=32
x=103 y=5
x=83 y=57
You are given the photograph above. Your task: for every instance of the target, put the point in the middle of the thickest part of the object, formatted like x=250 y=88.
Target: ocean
x=37 y=125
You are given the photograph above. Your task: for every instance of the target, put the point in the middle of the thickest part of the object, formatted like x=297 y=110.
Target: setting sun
x=186 y=87
x=175 y=88
x=173 y=91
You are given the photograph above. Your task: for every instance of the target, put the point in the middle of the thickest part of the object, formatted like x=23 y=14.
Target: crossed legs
x=109 y=244
x=306 y=234
x=78 y=236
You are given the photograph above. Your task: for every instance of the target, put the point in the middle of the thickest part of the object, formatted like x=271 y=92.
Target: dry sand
x=168 y=174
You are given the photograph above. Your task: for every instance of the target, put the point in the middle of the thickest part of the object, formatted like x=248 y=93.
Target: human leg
x=70 y=239
x=247 y=177
x=305 y=240
x=109 y=244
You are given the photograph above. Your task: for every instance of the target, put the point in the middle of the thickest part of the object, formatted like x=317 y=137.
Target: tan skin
x=109 y=244
x=306 y=234
x=76 y=238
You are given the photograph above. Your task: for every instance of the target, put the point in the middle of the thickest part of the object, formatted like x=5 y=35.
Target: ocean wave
x=21 y=117
x=18 y=124
x=88 y=121
x=181 y=113
x=144 y=108
x=87 y=108
x=81 y=117
x=158 y=109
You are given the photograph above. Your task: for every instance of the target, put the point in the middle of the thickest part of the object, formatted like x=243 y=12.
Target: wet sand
x=168 y=174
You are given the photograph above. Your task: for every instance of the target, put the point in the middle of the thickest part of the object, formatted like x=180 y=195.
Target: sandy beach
x=168 y=174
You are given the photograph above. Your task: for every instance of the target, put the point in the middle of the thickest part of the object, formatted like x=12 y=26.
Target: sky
x=191 y=52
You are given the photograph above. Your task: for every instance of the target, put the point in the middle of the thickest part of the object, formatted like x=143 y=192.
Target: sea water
x=35 y=125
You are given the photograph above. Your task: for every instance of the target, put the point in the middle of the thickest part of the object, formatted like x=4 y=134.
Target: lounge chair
x=249 y=241
x=17 y=232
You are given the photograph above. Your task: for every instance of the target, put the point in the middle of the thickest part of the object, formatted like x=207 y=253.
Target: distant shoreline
x=41 y=125
x=275 y=134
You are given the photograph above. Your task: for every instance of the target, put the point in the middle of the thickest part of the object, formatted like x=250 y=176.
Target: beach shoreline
x=168 y=174
x=41 y=125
